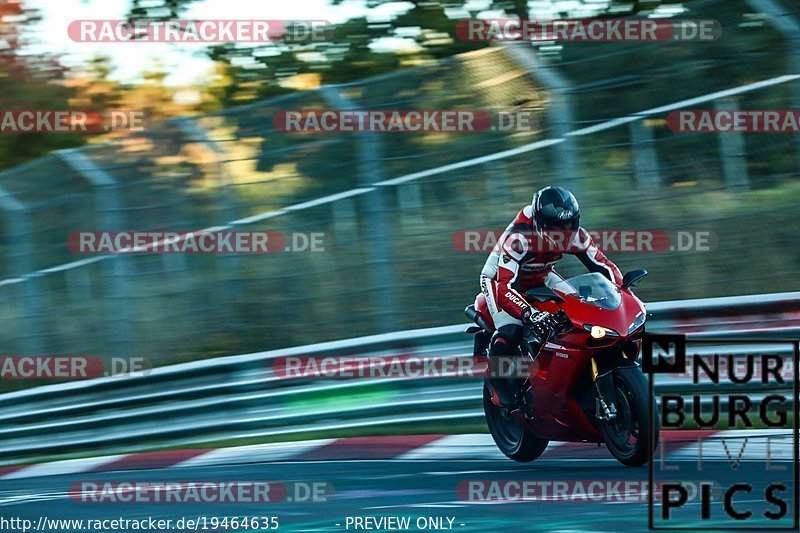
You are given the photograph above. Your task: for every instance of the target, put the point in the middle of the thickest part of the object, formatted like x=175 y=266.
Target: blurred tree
x=28 y=80
x=352 y=51
x=162 y=9
x=422 y=32
x=93 y=86
x=152 y=96
x=360 y=47
x=34 y=80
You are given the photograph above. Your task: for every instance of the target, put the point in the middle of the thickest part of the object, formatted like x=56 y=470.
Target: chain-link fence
x=389 y=205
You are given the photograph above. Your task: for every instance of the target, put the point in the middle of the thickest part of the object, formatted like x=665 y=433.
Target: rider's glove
x=541 y=322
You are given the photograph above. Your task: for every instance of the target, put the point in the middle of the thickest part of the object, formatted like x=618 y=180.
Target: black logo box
x=677 y=364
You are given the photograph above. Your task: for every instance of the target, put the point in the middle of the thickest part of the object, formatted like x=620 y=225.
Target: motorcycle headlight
x=598 y=332
x=640 y=318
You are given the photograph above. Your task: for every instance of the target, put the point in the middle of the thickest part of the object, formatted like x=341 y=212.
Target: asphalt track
x=406 y=488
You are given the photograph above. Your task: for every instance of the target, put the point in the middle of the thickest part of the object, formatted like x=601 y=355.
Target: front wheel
x=628 y=436
x=512 y=438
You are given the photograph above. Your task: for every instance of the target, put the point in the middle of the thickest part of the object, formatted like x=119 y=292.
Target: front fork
x=605 y=394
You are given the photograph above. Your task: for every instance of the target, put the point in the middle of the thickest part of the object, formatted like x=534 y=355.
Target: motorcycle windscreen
x=592 y=288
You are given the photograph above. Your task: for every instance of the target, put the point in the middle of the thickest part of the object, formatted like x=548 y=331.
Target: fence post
x=18 y=226
x=732 y=151
x=497 y=183
x=117 y=275
x=197 y=134
x=562 y=114
x=786 y=22
x=227 y=213
x=645 y=158
x=344 y=217
x=381 y=280
x=409 y=197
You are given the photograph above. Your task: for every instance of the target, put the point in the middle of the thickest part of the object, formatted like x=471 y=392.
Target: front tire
x=628 y=437
x=512 y=438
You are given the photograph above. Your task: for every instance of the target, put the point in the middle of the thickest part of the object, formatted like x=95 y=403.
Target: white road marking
x=467 y=446
x=55 y=468
x=256 y=453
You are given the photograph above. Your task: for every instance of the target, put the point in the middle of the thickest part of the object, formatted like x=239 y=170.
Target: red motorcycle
x=585 y=384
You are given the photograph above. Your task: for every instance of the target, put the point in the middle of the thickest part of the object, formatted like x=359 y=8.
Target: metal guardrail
x=240 y=396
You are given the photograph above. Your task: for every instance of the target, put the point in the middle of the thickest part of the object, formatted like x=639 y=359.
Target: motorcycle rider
x=523 y=259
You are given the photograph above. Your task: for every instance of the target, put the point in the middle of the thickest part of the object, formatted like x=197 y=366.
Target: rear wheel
x=512 y=438
x=627 y=436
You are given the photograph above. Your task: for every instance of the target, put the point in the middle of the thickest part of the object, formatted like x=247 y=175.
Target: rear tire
x=628 y=437
x=512 y=438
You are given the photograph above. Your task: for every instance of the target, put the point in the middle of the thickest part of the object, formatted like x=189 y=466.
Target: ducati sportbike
x=584 y=384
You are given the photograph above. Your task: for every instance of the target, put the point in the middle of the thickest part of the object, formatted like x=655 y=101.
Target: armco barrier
x=239 y=396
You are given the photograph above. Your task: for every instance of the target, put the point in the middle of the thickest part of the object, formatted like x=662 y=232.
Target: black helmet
x=556 y=208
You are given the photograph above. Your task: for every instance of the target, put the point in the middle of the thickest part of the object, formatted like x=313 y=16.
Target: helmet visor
x=563 y=225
